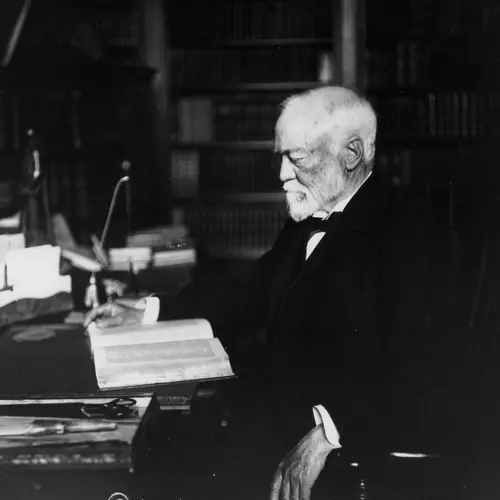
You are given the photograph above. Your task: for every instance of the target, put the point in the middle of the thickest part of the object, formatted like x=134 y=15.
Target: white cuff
x=321 y=416
x=151 y=310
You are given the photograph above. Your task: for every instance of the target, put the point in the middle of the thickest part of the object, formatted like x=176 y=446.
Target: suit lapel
x=363 y=213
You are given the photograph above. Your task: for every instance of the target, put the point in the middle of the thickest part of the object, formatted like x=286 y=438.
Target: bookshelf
x=77 y=79
x=423 y=60
x=230 y=72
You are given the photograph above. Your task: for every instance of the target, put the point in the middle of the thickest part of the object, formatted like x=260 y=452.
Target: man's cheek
x=306 y=179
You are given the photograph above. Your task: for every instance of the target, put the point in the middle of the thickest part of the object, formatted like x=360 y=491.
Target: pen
x=27 y=427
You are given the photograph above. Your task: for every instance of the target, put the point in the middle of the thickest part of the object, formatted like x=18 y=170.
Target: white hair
x=331 y=108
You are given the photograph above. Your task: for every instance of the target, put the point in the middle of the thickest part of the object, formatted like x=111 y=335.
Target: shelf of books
x=230 y=73
x=422 y=77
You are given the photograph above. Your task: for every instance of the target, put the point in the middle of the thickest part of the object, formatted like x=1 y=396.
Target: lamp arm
x=111 y=209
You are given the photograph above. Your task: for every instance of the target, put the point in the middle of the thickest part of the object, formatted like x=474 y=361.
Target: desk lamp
x=91 y=294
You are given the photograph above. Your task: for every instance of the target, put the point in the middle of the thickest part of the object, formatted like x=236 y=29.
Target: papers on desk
x=10 y=242
x=122 y=258
x=166 y=352
x=168 y=246
x=32 y=273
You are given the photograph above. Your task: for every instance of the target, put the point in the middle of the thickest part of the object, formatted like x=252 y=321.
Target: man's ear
x=353 y=153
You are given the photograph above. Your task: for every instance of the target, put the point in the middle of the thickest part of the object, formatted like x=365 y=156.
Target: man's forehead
x=294 y=134
x=303 y=132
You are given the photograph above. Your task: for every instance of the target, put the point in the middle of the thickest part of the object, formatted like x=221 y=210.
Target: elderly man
x=329 y=294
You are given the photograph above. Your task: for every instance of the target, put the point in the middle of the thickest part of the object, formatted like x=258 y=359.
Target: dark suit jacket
x=343 y=327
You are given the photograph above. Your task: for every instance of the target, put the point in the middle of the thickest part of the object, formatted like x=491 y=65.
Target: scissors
x=114 y=409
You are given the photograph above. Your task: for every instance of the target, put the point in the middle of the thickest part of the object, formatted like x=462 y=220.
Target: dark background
x=101 y=81
x=176 y=83
x=189 y=92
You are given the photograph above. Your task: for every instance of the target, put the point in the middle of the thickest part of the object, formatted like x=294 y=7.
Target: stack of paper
x=10 y=242
x=32 y=273
x=174 y=257
x=122 y=258
x=170 y=245
x=158 y=237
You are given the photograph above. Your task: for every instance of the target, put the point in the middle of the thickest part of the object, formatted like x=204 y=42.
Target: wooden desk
x=62 y=365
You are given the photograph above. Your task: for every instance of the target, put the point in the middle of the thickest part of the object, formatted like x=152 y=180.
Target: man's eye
x=297 y=158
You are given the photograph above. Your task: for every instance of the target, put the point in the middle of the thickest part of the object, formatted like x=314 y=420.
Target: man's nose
x=287 y=172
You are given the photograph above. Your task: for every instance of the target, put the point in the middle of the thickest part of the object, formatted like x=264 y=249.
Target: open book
x=165 y=352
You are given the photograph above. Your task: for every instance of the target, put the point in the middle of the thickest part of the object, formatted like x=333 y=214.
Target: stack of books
x=168 y=245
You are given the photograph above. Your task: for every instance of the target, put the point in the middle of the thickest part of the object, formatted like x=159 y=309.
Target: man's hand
x=300 y=469
x=113 y=314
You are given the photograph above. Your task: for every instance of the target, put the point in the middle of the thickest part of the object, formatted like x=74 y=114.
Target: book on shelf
x=252 y=20
x=195 y=119
x=227 y=228
x=185 y=173
x=53 y=433
x=162 y=353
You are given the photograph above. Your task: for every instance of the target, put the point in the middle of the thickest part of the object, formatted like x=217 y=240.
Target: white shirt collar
x=340 y=206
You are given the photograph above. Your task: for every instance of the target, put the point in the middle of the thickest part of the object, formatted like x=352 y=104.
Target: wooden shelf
x=420 y=143
x=427 y=144
x=244 y=253
x=67 y=76
x=256 y=43
x=247 y=87
x=243 y=145
x=265 y=198
x=415 y=91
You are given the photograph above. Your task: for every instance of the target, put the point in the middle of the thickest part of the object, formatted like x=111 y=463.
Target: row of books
x=234 y=173
x=443 y=114
x=245 y=121
x=68 y=190
x=206 y=119
x=438 y=115
x=52 y=115
x=423 y=19
x=253 y=20
x=417 y=64
x=117 y=28
x=202 y=68
x=217 y=172
x=61 y=26
x=229 y=230
x=402 y=64
x=72 y=120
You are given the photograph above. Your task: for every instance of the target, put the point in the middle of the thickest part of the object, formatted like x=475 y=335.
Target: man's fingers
x=276 y=485
x=304 y=490
x=109 y=321
x=95 y=313
x=296 y=490
x=285 y=490
x=90 y=317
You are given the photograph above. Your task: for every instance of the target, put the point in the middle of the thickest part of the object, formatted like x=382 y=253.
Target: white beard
x=300 y=205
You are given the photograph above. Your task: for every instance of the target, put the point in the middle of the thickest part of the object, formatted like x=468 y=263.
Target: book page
x=191 y=360
x=160 y=332
x=161 y=351
x=162 y=373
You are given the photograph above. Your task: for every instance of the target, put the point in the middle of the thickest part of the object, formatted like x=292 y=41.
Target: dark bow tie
x=313 y=225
